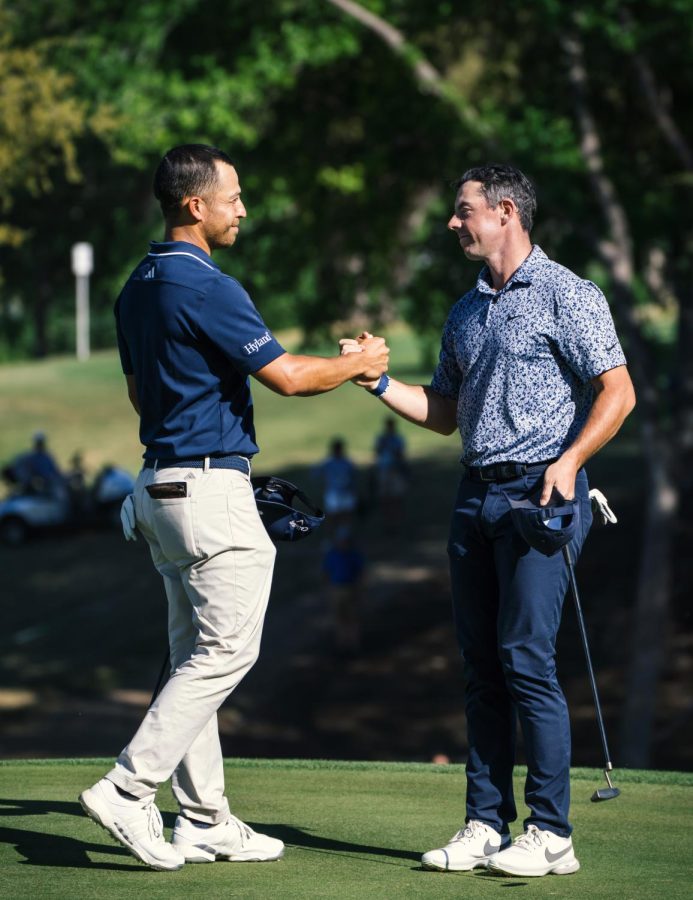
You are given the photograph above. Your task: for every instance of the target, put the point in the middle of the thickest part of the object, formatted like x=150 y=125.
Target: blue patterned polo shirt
x=519 y=361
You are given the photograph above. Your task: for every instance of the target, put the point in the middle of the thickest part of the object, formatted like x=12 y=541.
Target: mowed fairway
x=352 y=830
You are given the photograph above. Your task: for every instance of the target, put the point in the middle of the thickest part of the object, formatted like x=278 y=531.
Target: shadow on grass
x=298 y=837
x=55 y=850
x=40 y=849
x=39 y=808
x=50 y=849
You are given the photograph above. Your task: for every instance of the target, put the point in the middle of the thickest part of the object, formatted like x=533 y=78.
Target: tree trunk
x=650 y=630
x=653 y=597
x=42 y=294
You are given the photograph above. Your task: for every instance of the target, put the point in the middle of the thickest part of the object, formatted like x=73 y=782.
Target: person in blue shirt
x=190 y=337
x=343 y=565
x=36 y=471
x=339 y=482
x=532 y=375
x=391 y=473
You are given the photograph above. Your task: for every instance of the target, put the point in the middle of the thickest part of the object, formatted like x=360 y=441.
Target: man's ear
x=508 y=210
x=194 y=207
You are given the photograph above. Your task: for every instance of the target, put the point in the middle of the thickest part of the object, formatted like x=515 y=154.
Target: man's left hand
x=559 y=476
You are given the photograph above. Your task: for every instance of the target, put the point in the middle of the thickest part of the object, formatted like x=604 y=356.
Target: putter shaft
x=590 y=671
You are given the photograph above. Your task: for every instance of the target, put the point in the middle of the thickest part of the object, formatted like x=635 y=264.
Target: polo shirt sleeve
x=125 y=358
x=231 y=322
x=447 y=378
x=586 y=336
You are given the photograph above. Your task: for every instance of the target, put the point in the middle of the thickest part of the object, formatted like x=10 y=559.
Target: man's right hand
x=356 y=345
x=375 y=358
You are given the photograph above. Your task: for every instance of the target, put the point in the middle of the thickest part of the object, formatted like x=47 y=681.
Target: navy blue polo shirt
x=191 y=336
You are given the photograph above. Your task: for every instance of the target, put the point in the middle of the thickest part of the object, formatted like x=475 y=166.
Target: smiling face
x=222 y=209
x=479 y=227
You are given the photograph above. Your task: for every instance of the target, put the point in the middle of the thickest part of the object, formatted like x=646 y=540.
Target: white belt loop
x=205 y=466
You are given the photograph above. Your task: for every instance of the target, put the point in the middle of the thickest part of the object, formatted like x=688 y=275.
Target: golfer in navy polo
x=533 y=376
x=189 y=338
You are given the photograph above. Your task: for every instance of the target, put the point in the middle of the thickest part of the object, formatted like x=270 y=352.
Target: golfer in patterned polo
x=533 y=376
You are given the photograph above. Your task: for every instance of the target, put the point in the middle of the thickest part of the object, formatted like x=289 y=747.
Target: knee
x=525 y=666
x=482 y=668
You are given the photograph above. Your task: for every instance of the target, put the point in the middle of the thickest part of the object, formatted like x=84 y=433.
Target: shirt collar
x=165 y=247
x=524 y=274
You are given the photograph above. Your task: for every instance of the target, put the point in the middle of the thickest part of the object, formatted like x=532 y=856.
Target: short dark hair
x=185 y=171
x=499 y=181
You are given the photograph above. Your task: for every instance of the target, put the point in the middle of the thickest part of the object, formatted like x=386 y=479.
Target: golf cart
x=27 y=511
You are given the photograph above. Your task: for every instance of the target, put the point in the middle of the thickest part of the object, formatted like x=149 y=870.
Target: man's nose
x=454 y=222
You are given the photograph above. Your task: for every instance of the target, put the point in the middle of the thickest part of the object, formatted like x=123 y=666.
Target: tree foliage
x=348 y=122
x=346 y=156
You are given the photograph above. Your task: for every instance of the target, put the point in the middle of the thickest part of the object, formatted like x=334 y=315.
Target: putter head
x=604 y=794
x=607 y=793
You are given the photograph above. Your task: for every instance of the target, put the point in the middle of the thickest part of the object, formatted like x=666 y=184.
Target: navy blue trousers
x=507 y=602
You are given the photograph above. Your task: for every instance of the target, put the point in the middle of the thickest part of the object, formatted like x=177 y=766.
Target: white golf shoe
x=232 y=840
x=536 y=852
x=470 y=848
x=136 y=824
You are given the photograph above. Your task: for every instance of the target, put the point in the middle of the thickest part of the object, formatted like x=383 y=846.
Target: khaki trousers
x=216 y=560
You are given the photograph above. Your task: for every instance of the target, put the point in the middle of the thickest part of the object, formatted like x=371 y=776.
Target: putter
x=609 y=792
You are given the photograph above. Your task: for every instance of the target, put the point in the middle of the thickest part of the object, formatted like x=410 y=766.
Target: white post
x=82 y=267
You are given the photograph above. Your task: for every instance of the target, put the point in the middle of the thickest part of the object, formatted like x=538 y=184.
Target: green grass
x=84 y=406
x=352 y=830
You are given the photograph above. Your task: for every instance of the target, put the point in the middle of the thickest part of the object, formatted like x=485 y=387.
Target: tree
x=644 y=276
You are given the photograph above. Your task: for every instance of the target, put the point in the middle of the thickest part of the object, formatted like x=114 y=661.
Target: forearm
x=303 y=376
x=614 y=399
x=607 y=415
x=421 y=405
x=317 y=374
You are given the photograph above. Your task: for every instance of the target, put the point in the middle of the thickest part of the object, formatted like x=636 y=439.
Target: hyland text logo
x=255 y=345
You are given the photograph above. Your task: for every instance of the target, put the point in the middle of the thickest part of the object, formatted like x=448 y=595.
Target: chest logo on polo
x=255 y=345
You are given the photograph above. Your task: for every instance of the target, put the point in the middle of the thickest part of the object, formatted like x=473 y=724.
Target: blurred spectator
x=391 y=471
x=343 y=565
x=36 y=472
x=76 y=481
x=338 y=475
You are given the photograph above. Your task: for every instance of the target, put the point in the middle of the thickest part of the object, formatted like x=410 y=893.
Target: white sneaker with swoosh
x=534 y=853
x=232 y=840
x=470 y=848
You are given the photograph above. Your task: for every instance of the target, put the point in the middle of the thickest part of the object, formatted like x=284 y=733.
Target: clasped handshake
x=376 y=357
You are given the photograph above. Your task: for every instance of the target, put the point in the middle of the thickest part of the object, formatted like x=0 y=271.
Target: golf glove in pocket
x=127 y=518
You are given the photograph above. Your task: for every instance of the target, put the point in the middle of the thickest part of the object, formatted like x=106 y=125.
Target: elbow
x=629 y=401
x=281 y=378
x=286 y=388
x=632 y=399
x=132 y=396
x=439 y=427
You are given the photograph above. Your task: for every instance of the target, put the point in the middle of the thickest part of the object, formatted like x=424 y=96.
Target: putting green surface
x=352 y=830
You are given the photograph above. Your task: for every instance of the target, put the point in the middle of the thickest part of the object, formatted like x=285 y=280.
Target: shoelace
x=530 y=839
x=469 y=833
x=155 y=825
x=245 y=831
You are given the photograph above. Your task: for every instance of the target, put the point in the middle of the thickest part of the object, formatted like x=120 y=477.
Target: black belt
x=231 y=461
x=503 y=471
